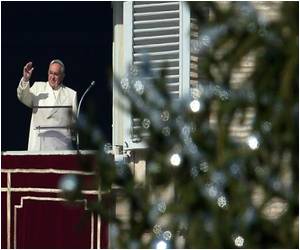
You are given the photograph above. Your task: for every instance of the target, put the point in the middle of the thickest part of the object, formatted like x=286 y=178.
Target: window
x=160 y=29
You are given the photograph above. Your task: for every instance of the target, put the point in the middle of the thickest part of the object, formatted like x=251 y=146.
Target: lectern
x=33 y=212
x=51 y=128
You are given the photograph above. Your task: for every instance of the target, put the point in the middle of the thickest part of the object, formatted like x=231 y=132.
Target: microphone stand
x=78 y=111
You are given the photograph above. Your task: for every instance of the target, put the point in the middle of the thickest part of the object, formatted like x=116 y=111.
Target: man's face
x=55 y=76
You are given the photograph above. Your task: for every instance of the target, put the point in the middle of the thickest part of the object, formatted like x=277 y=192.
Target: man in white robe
x=54 y=107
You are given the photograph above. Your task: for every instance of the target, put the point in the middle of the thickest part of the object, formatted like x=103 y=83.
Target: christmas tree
x=222 y=163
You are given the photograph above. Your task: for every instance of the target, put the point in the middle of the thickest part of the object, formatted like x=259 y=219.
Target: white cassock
x=53 y=114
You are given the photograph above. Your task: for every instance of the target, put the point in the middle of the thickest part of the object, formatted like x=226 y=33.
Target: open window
x=162 y=30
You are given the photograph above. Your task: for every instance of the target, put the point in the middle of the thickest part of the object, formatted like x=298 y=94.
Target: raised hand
x=27 y=71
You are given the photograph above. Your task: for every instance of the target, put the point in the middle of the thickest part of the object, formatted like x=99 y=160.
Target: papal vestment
x=53 y=114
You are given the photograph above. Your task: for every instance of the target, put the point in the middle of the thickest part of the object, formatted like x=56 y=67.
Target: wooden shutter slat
x=150 y=31
x=156 y=7
x=159 y=62
x=156 y=47
x=155 y=15
x=156 y=39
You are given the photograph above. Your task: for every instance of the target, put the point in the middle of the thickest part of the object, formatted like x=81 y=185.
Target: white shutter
x=161 y=29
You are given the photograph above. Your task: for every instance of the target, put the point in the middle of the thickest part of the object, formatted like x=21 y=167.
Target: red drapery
x=33 y=213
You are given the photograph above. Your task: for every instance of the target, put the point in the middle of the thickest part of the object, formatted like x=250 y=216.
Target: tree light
x=253 y=142
x=222 y=202
x=161 y=245
x=239 y=241
x=175 y=160
x=68 y=183
x=195 y=106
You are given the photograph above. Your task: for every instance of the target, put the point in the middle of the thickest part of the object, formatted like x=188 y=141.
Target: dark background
x=78 y=33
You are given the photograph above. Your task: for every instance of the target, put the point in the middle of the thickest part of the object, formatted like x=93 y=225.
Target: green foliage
x=204 y=187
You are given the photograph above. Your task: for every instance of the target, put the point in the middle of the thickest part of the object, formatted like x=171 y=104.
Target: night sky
x=78 y=33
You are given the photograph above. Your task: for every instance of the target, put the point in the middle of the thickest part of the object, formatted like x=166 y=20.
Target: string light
x=167 y=235
x=253 y=142
x=146 y=123
x=107 y=148
x=157 y=229
x=239 y=241
x=175 y=160
x=161 y=206
x=195 y=106
x=139 y=87
x=125 y=83
x=68 y=183
x=204 y=166
x=222 y=202
x=165 y=115
x=161 y=245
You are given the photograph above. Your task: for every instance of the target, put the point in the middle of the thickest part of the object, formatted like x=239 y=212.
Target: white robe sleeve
x=24 y=93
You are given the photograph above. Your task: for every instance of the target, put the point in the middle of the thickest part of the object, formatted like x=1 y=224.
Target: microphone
x=78 y=110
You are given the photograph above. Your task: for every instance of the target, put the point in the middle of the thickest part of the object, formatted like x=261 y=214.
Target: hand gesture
x=27 y=71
